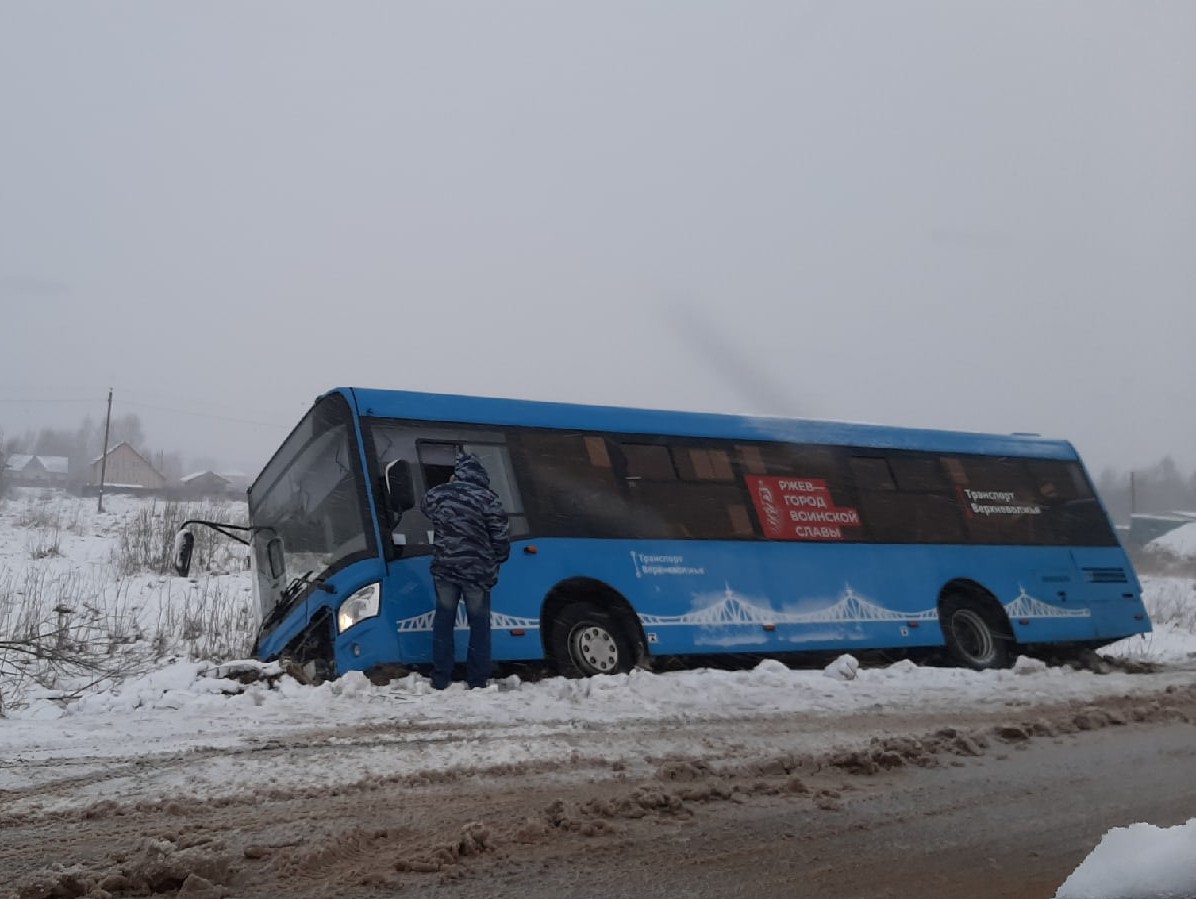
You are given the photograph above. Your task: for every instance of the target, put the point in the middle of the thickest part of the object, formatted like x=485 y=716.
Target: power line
x=40 y=400
x=244 y=421
x=124 y=401
x=219 y=412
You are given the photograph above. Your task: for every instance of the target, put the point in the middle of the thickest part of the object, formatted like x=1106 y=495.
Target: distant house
x=238 y=481
x=37 y=471
x=205 y=483
x=126 y=471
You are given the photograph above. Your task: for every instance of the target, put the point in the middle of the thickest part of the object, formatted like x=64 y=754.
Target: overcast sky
x=974 y=215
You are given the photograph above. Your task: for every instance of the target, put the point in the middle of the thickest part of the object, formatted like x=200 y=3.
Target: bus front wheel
x=310 y=658
x=586 y=641
x=974 y=635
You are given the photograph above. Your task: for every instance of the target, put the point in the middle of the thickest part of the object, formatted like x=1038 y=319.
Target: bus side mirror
x=184 y=546
x=400 y=491
x=274 y=558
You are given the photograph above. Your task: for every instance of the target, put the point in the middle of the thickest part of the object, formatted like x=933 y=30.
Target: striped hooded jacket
x=472 y=537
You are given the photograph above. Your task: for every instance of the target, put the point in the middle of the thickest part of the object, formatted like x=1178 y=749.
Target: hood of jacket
x=469 y=470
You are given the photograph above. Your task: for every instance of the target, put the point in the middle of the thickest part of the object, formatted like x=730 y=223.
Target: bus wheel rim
x=595 y=648
x=973 y=635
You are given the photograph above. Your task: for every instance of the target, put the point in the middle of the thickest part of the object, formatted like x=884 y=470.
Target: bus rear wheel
x=586 y=642
x=974 y=634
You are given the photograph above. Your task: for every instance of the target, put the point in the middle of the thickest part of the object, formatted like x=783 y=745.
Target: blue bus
x=639 y=534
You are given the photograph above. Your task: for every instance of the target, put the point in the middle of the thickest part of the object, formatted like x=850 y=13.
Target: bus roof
x=453 y=408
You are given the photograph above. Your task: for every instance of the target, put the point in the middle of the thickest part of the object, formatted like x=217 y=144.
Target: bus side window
x=907 y=498
x=872 y=473
x=437 y=460
x=1000 y=476
x=496 y=459
x=571 y=485
x=684 y=490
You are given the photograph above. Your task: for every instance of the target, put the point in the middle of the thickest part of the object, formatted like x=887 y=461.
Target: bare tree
x=171 y=465
x=1162 y=487
x=54 y=442
x=127 y=429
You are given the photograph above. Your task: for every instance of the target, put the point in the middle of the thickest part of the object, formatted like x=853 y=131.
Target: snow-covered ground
x=1138 y=862
x=1179 y=543
x=179 y=697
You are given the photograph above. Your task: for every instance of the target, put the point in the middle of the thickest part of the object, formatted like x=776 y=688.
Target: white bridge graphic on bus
x=498 y=621
x=733 y=608
x=1026 y=606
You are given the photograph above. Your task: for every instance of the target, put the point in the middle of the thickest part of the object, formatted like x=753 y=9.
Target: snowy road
x=1013 y=777
x=1014 y=822
x=176 y=732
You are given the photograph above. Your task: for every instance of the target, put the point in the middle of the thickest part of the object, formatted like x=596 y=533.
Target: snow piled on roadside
x=1180 y=542
x=1138 y=862
x=412 y=729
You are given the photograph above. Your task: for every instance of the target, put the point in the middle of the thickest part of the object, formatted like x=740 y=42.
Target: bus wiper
x=295 y=587
x=292 y=589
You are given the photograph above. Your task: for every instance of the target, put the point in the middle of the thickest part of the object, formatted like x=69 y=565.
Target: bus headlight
x=359 y=606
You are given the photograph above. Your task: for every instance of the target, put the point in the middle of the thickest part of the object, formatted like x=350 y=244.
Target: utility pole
x=104 y=458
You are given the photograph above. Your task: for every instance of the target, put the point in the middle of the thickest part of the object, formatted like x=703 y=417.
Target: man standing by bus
x=472 y=540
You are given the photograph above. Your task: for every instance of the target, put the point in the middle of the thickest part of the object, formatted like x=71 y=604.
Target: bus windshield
x=310 y=498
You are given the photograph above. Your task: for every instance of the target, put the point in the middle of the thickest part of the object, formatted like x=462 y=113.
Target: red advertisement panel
x=799 y=509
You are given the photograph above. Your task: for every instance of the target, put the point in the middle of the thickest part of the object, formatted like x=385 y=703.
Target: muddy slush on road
x=871 y=802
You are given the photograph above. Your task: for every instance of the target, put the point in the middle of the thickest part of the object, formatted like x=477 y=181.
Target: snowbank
x=1138 y=862
x=1180 y=542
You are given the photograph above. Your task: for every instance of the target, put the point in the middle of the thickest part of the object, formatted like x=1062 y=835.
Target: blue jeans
x=477 y=609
